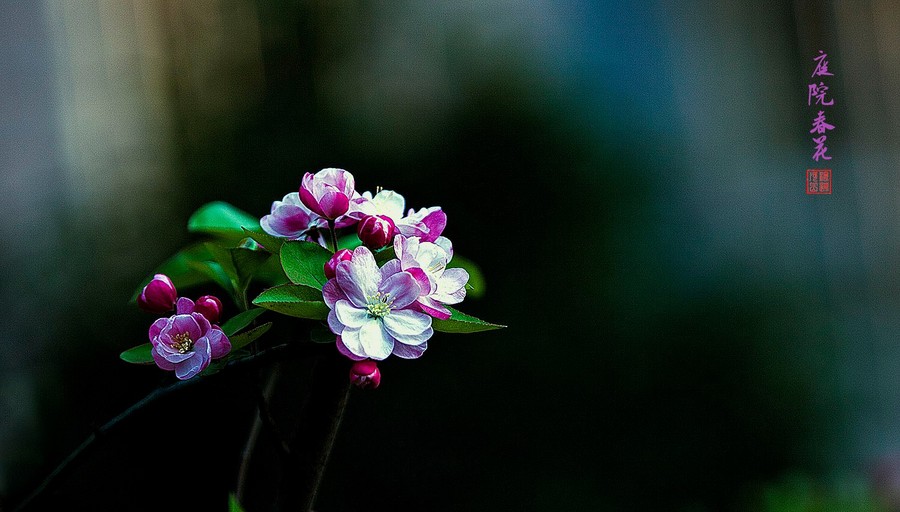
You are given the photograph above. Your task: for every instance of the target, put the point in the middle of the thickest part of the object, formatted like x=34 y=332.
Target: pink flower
x=427 y=223
x=427 y=262
x=365 y=374
x=331 y=264
x=209 y=306
x=370 y=310
x=158 y=296
x=376 y=231
x=186 y=342
x=329 y=192
x=291 y=219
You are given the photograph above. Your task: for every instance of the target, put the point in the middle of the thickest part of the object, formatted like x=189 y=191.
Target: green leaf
x=304 y=263
x=268 y=242
x=384 y=255
x=233 y=504
x=348 y=242
x=221 y=219
x=180 y=269
x=294 y=300
x=241 y=320
x=215 y=273
x=476 y=285
x=239 y=341
x=138 y=355
x=460 y=323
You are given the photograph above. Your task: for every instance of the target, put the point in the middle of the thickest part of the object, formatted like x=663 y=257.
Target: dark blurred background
x=688 y=330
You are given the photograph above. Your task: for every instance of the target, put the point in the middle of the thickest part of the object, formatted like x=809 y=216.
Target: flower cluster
x=186 y=341
x=374 y=311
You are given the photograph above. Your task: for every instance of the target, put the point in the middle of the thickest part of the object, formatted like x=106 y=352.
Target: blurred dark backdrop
x=688 y=330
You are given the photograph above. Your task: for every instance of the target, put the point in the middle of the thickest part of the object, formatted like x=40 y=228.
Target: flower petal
x=156 y=328
x=451 y=287
x=409 y=352
x=219 y=344
x=406 y=322
x=349 y=315
x=339 y=343
x=333 y=203
x=184 y=306
x=402 y=288
x=433 y=308
x=375 y=340
x=332 y=293
x=334 y=324
x=390 y=268
x=161 y=361
x=359 y=278
x=187 y=369
x=350 y=339
x=185 y=324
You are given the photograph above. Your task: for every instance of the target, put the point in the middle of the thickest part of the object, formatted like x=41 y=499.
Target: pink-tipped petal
x=409 y=352
x=332 y=293
x=351 y=342
x=433 y=308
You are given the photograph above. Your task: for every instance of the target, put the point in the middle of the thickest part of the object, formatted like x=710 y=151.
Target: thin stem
x=333 y=236
x=84 y=448
x=315 y=435
x=253 y=437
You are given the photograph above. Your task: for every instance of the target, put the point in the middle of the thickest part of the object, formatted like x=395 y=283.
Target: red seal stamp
x=818 y=181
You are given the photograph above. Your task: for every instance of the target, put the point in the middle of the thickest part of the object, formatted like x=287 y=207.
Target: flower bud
x=209 y=306
x=158 y=296
x=331 y=265
x=376 y=231
x=365 y=374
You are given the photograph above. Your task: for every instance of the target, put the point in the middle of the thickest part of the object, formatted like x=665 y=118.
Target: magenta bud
x=209 y=306
x=365 y=374
x=331 y=265
x=376 y=231
x=158 y=296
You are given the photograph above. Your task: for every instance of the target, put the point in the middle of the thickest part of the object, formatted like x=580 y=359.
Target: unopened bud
x=331 y=265
x=209 y=306
x=365 y=374
x=158 y=296
x=376 y=231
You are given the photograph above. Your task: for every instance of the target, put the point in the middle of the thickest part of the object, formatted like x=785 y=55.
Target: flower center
x=379 y=305
x=182 y=342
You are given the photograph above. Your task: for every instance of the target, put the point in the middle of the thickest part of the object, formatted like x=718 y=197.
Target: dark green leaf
x=294 y=300
x=384 y=255
x=215 y=366
x=241 y=320
x=304 y=263
x=221 y=219
x=215 y=273
x=475 y=287
x=239 y=341
x=138 y=355
x=460 y=323
x=268 y=242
